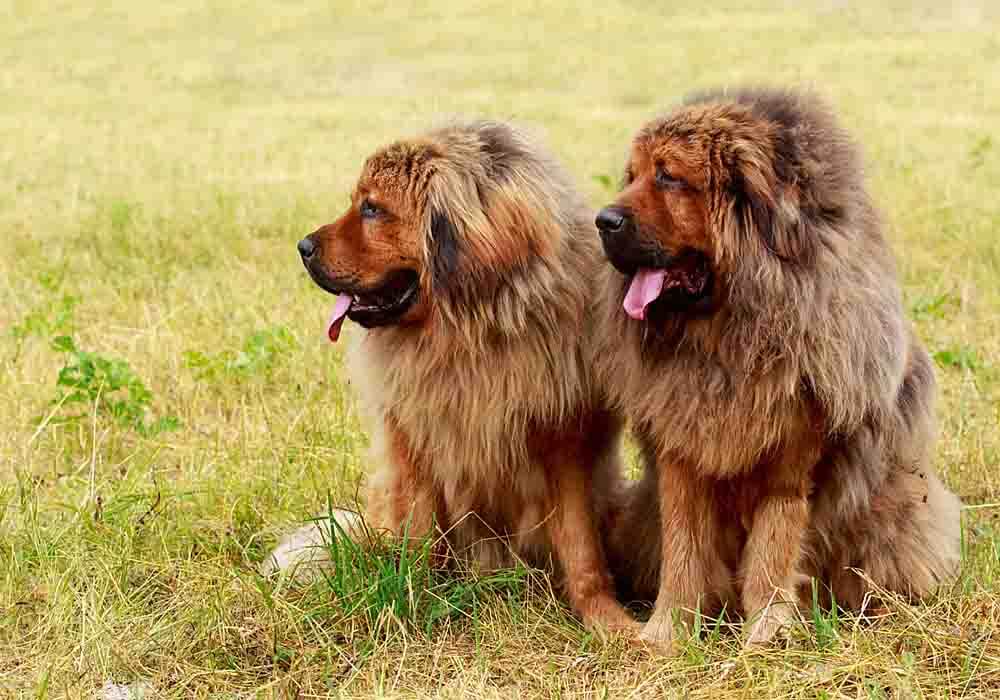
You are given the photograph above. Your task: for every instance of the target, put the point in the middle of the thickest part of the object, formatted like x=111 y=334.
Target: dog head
x=435 y=223
x=725 y=187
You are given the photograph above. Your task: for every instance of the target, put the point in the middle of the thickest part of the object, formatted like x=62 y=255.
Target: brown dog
x=469 y=258
x=784 y=407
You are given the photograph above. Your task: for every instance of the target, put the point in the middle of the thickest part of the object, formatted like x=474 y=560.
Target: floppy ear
x=443 y=249
x=767 y=206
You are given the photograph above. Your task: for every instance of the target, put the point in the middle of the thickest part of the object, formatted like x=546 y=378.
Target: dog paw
x=773 y=622
x=607 y=617
x=660 y=636
x=625 y=627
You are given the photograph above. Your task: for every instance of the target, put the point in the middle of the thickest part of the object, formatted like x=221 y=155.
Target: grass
x=158 y=164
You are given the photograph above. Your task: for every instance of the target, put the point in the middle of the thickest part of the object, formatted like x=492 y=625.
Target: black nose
x=306 y=247
x=611 y=219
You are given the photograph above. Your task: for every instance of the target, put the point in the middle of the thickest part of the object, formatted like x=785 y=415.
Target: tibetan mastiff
x=468 y=258
x=754 y=335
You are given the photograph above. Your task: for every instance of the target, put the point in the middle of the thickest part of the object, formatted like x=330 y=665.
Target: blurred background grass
x=158 y=164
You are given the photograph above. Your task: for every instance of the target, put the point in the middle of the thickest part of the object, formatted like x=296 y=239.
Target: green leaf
x=604 y=180
x=63 y=343
x=110 y=385
x=959 y=358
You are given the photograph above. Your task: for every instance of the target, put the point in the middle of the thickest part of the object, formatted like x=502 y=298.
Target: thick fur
x=485 y=419
x=787 y=429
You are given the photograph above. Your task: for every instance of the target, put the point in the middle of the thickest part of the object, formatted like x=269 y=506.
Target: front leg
x=693 y=574
x=403 y=497
x=575 y=542
x=770 y=561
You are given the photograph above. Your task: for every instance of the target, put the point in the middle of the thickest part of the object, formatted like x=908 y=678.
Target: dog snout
x=307 y=247
x=624 y=247
x=612 y=220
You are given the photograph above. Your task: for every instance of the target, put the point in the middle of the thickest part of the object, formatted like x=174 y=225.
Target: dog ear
x=443 y=249
x=768 y=207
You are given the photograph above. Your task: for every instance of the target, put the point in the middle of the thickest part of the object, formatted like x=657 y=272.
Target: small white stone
x=140 y=690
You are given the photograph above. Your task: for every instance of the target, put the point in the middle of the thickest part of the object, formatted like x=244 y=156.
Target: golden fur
x=786 y=415
x=484 y=416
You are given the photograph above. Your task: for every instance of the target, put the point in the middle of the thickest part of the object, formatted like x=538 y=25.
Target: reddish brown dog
x=783 y=405
x=468 y=258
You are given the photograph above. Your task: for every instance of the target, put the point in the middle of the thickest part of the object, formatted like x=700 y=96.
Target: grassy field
x=168 y=405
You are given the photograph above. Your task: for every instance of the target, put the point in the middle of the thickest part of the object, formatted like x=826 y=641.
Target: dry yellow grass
x=158 y=164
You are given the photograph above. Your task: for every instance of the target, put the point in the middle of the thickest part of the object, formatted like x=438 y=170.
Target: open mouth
x=379 y=306
x=683 y=282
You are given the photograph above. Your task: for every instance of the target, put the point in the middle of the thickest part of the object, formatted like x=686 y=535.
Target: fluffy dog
x=470 y=258
x=783 y=405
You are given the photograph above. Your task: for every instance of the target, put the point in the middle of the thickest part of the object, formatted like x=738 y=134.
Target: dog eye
x=665 y=181
x=368 y=210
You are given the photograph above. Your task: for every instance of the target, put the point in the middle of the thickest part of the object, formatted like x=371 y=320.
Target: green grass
x=158 y=164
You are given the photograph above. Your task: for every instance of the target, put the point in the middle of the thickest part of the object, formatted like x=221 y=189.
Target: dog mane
x=809 y=297
x=500 y=214
x=511 y=254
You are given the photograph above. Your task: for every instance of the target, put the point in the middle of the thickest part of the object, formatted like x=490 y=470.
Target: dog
x=753 y=333
x=468 y=257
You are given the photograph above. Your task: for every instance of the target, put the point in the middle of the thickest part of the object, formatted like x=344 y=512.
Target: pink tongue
x=646 y=286
x=340 y=309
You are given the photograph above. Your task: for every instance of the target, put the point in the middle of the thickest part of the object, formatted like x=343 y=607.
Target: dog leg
x=910 y=543
x=414 y=497
x=692 y=572
x=402 y=497
x=770 y=559
x=774 y=544
x=576 y=544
